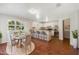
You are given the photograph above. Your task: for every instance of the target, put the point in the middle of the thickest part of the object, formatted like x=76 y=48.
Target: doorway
x=66 y=31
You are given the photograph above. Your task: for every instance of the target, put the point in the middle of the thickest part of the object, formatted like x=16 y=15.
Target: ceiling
x=38 y=11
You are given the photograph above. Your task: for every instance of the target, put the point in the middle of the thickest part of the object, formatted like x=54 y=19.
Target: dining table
x=20 y=38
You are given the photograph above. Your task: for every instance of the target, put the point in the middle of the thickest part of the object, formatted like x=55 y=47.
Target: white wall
x=74 y=25
x=60 y=25
x=74 y=20
x=4 y=25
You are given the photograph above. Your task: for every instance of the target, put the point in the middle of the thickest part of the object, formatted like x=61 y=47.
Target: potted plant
x=22 y=27
x=75 y=37
x=0 y=37
x=18 y=23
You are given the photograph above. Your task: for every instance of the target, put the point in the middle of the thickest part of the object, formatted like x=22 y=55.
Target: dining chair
x=13 y=42
x=27 y=43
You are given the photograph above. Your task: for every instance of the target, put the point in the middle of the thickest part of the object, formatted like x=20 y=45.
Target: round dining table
x=20 y=38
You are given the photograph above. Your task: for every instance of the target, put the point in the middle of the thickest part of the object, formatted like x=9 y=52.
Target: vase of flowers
x=75 y=37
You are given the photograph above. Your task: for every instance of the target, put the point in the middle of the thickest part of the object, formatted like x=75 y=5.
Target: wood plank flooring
x=54 y=47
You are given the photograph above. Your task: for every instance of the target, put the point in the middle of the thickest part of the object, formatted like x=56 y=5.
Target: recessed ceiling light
x=58 y=4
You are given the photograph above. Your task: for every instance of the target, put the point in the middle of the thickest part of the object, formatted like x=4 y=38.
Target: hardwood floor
x=3 y=49
x=54 y=47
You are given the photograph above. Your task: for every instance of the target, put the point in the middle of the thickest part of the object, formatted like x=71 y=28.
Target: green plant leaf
x=0 y=35
x=75 y=34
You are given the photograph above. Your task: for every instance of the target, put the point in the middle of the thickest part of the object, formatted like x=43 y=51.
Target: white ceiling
x=42 y=10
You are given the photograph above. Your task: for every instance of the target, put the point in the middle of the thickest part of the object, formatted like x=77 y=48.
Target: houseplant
x=22 y=27
x=0 y=37
x=75 y=37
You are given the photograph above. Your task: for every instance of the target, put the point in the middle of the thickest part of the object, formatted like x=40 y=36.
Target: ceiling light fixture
x=37 y=16
x=46 y=19
x=34 y=12
x=58 y=4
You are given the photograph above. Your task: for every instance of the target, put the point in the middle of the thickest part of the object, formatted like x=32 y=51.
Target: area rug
x=19 y=51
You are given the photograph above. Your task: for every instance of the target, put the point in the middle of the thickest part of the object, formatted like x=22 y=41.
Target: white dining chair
x=13 y=42
x=27 y=44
